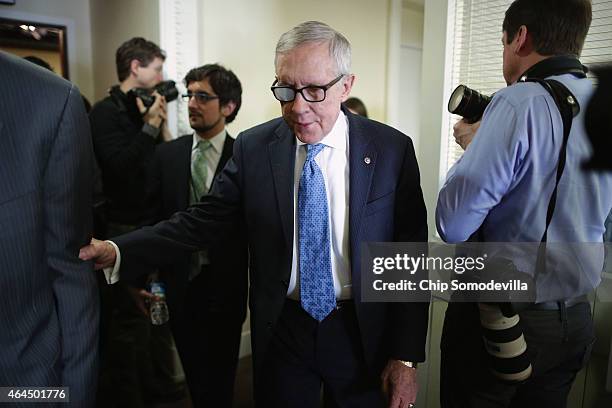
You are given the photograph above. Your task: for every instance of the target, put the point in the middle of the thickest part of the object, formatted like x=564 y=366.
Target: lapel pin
x=367 y=160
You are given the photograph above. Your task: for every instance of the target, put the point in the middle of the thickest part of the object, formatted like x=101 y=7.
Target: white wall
x=432 y=96
x=411 y=56
x=412 y=24
x=244 y=41
x=75 y=15
x=112 y=23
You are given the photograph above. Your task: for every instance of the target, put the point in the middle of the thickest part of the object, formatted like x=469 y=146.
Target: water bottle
x=159 y=308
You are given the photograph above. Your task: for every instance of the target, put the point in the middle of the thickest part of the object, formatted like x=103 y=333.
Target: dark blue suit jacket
x=256 y=186
x=49 y=299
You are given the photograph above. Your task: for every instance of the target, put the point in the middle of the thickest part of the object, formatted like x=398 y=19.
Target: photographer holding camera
x=520 y=180
x=126 y=127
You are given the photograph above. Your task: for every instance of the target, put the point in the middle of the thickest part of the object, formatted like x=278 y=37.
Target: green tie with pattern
x=199 y=171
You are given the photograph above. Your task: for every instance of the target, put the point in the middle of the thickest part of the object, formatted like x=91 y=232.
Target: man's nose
x=300 y=105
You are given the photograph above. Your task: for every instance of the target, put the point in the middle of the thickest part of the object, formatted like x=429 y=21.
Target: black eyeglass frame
x=300 y=90
x=201 y=97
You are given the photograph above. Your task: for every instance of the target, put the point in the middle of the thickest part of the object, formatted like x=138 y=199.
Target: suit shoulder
x=181 y=142
x=30 y=79
x=262 y=131
x=103 y=108
x=384 y=135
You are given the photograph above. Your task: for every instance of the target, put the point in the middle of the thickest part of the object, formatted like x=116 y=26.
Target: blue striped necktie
x=316 y=281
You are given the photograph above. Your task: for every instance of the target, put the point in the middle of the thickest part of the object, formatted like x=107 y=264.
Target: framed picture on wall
x=41 y=43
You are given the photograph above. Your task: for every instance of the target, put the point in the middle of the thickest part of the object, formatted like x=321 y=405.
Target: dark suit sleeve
x=410 y=319
x=202 y=224
x=67 y=187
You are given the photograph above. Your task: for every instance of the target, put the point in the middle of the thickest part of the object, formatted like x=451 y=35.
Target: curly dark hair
x=223 y=81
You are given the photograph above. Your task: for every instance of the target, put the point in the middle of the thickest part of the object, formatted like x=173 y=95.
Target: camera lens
x=468 y=103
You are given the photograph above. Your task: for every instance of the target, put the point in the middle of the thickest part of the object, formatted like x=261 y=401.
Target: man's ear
x=228 y=108
x=523 y=42
x=134 y=65
x=347 y=85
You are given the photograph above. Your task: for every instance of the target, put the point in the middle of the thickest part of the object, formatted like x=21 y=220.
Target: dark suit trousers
x=305 y=355
x=558 y=347
x=207 y=333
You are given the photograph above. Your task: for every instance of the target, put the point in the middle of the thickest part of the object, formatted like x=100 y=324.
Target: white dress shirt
x=333 y=161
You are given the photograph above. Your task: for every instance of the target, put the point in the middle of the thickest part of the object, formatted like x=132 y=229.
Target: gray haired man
x=309 y=188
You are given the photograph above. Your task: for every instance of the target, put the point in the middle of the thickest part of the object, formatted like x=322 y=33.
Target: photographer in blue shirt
x=501 y=188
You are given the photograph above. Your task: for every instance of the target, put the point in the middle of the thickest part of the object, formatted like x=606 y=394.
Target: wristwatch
x=409 y=364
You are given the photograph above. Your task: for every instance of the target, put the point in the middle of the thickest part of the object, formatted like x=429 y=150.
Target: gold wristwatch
x=409 y=364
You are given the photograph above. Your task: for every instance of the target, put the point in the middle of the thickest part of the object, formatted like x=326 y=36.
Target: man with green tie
x=206 y=315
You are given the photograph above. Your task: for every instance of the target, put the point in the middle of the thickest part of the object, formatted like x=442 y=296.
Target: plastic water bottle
x=159 y=308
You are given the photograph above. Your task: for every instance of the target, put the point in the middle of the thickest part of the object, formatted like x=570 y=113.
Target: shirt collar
x=216 y=141
x=336 y=138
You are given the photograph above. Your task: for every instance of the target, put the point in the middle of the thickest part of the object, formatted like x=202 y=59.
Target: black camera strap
x=557 y=65
x=568 y=107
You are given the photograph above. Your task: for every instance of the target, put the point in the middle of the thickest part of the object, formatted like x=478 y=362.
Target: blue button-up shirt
x=503 y=182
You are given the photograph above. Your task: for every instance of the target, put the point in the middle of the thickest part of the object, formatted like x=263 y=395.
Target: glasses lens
x=284 y=94
x=203 y=97
x=200 y=97
x=313 y=94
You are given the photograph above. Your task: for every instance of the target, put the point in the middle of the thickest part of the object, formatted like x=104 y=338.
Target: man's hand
x=141 y=297
x=155 y=115
x=399 y=384
x=464 y=132
x=101 y=252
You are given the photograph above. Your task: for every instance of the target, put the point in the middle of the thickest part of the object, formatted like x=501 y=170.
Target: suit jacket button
x=269 y=324
x=285 y=283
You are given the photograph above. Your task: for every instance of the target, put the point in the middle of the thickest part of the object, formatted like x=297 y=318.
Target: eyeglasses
x=201 y=97
x=311 y=93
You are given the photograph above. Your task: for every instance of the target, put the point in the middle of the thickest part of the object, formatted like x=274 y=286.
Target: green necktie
x=199 y=170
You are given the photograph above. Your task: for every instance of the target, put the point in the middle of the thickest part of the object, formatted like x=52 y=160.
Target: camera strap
x=568 y=107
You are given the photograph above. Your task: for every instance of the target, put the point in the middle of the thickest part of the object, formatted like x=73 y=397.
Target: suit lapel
x=282 y=160
x=362 y=159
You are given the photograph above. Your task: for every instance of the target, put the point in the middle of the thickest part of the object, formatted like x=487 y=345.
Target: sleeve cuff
x=112 y=273
x=151 y=130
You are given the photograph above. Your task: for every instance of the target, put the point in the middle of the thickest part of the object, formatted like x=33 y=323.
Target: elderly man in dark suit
x=49 y=304
x=206 y=313
x=310 y=188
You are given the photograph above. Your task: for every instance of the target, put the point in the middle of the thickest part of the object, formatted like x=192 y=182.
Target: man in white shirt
x=357 y=181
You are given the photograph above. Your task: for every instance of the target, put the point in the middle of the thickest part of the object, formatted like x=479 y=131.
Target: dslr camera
x=468 y=103
x=167 y=89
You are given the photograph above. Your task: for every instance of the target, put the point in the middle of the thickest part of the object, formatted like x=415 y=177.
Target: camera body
x=167 y=89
